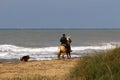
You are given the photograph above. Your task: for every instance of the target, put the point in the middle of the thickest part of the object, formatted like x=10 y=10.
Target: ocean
x=42 y=44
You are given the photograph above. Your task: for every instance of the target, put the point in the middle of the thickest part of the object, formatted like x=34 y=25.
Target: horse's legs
x=63 y=55
x=58 y=56
x=69 y=55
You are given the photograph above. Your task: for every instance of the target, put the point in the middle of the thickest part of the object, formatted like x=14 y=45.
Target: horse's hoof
x=68 y=58
x=58 y=59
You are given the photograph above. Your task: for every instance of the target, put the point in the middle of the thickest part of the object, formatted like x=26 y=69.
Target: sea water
x=42 y=44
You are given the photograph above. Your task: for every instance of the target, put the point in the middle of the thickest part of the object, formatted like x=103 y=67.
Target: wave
x=48 y=53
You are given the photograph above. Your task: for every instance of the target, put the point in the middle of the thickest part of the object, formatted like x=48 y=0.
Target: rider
x=63 y=41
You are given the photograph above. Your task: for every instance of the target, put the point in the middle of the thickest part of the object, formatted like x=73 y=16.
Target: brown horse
x=62 y=49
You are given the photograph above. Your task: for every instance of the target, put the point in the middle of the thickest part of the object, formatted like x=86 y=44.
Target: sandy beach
x=52 y=68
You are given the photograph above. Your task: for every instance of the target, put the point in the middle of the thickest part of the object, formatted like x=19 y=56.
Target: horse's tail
x=59 y=52
x=59 y=49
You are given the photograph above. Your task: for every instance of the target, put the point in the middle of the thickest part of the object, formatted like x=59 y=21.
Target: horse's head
x=69 y=39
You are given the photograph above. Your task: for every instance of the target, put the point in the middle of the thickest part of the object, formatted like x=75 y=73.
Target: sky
x=59 y=13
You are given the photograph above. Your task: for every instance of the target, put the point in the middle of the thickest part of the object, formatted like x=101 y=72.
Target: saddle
x=66 y=46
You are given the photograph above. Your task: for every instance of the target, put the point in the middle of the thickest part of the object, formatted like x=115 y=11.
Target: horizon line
x=59 y=28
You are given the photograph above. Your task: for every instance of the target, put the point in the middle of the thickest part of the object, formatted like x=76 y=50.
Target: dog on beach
x=25 y=58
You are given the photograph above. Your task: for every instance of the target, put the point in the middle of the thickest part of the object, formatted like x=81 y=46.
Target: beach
x=48 y=68
x=42 y=47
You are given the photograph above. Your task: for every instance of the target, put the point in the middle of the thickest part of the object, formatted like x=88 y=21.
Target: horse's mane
x=69 y=39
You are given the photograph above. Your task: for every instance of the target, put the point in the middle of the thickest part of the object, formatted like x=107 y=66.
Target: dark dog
x=25 y=58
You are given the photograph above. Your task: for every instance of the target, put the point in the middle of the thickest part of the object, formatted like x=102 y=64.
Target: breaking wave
x=48 y=53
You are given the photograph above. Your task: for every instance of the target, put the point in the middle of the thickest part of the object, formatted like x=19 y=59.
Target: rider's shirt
x=63 y=40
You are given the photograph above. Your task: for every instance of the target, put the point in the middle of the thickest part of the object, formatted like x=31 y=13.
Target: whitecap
x=47 y=53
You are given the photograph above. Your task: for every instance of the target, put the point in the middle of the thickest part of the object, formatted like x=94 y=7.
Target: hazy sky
x=59 y=13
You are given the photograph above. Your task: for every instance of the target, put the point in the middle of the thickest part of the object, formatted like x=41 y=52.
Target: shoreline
x=15 y=60
x=9 y=60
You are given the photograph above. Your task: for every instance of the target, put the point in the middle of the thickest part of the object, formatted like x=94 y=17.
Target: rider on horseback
x=63 y=41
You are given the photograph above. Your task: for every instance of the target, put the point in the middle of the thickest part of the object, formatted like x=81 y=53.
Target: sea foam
x=47 y=53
